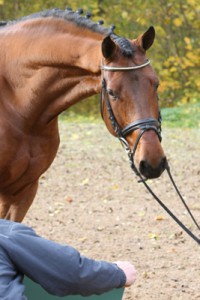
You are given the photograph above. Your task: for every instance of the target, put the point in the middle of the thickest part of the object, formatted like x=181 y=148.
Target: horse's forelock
x=125 y=45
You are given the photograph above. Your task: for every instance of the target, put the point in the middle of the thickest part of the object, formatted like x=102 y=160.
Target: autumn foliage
x=176 y=53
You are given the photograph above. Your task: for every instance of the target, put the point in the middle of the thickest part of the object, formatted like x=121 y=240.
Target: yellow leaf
x=177 y=22
x=187 y=63
x=187 y=40
x=153 y=236
x=189 y=47
x=173 y=69
x=192 y=2
x=1 y=2
x=184 y=100
x=124 y=15
x=115 y=187
x=191 y=55
x=146 y=275
x=159 y=218
x=82 y=239
x=141 y=214
x=85 y=181
x=197 y=82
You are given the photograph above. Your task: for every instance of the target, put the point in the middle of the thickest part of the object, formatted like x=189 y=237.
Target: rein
x=144 y=125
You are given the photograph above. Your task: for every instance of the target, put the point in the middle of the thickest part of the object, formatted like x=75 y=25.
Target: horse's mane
x=82 y=21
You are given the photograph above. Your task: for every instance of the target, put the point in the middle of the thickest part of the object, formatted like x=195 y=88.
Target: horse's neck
x=53 y=70
x=70 y=47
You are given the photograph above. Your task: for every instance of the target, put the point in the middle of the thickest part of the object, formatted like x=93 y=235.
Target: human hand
x=129 y=271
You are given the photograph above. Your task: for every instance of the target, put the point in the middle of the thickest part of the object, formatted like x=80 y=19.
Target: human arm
x=61 y=270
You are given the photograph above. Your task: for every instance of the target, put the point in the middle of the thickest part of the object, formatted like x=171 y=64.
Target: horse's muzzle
x=149 y=172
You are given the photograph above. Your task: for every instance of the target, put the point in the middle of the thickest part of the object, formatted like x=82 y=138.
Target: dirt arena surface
x=90 y=199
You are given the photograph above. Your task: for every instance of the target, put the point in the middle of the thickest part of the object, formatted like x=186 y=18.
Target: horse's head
x=129 y=100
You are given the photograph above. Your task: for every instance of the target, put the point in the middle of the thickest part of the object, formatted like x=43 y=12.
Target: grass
x=185 y=116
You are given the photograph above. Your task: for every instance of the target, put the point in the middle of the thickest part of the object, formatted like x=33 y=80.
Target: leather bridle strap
x=142 y=124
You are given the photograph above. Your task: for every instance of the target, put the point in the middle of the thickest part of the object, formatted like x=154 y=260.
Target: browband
x=113 y=69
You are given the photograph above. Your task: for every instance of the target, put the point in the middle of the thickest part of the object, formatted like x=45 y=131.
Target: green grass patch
x=187 y=116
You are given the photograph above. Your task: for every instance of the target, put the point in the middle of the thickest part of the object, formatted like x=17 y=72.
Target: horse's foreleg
x=14 y=207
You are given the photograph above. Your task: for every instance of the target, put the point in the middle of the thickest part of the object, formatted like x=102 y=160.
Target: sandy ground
x=90 y=199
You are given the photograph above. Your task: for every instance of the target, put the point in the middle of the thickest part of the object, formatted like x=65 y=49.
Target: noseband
x=143 y=125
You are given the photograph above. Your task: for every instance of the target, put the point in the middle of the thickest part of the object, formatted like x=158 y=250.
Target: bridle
x=143 y=125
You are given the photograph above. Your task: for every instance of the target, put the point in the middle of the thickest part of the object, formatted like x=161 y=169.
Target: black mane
x=82 y=21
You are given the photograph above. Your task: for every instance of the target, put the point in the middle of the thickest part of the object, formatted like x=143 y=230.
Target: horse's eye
x=156 y=85
x=111 y=93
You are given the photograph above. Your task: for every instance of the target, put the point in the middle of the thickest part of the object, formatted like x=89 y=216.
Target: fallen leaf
x=141 y=214
x=85 y=181
x=146 y=275
x=100 y=228
x=159 y=218
x=69 y=199
x=153 y=236
x=82 y=239
x=115 y=187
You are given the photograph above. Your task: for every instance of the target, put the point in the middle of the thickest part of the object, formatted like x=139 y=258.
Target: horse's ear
x=108 y=47
x=146 y=39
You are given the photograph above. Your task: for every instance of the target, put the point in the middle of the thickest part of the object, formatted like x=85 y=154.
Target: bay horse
x=50 y=61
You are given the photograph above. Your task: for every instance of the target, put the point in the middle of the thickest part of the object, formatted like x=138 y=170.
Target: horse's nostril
x=143 y=166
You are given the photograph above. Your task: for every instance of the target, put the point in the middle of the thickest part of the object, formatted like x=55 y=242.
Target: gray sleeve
x=59 y=269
